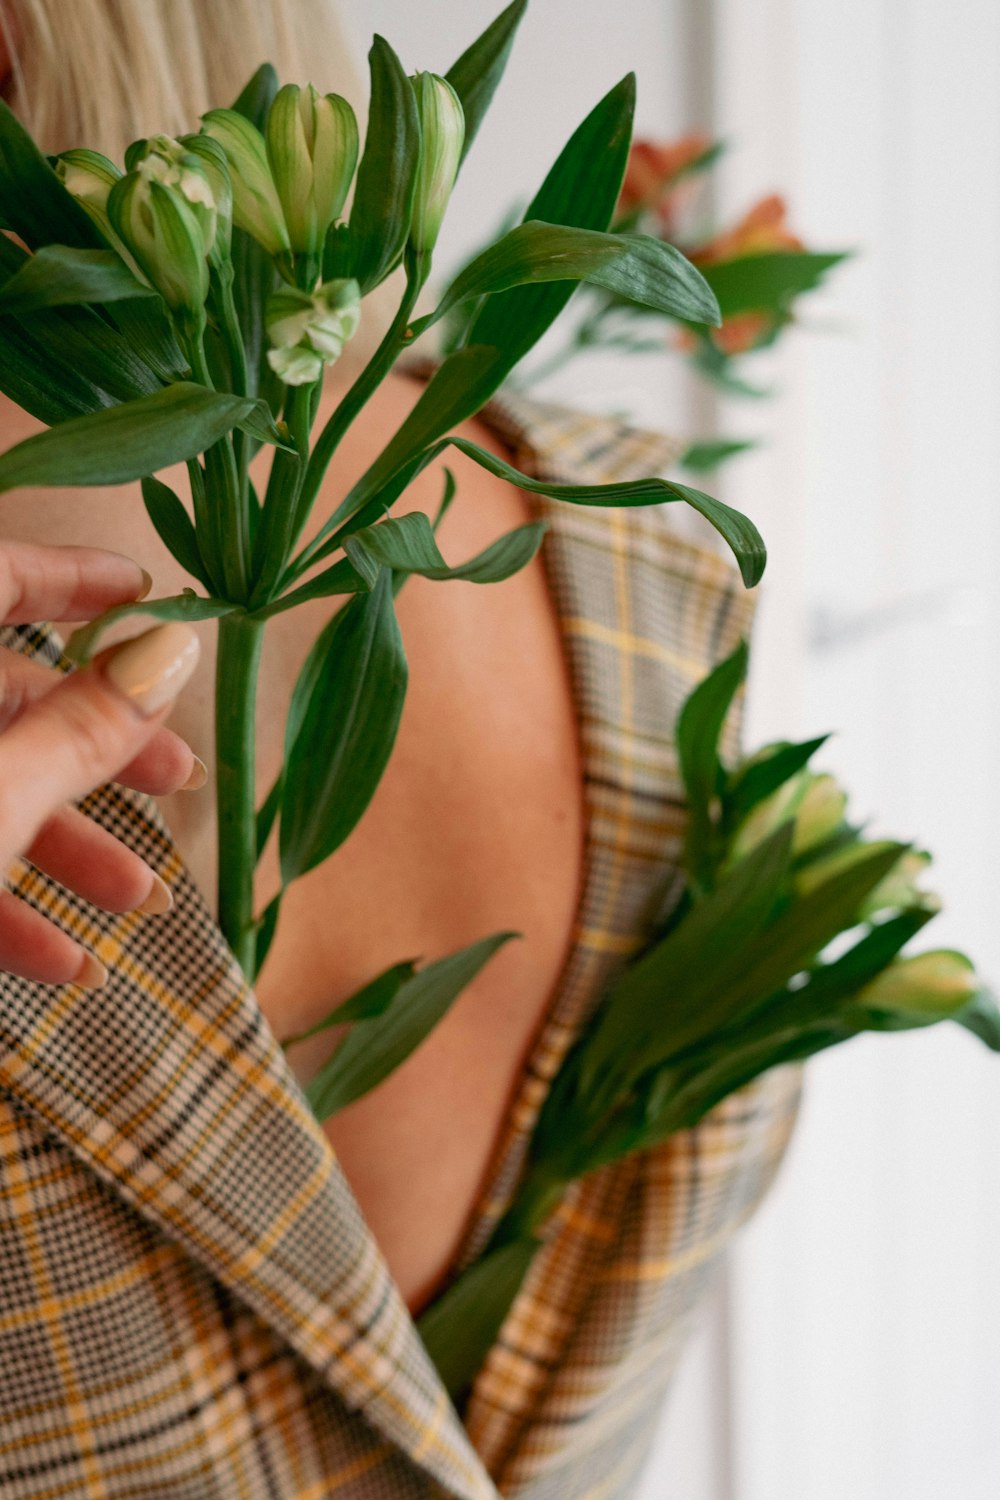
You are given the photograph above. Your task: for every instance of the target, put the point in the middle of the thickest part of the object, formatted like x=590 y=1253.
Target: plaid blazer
x=191 y=1305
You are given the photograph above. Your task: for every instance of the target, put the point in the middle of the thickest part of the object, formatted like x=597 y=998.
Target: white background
x=853 y=1352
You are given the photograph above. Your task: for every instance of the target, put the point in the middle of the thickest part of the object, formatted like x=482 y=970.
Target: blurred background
x=853 y=1345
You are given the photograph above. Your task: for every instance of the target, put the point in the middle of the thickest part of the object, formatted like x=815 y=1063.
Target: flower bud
x=768 y=815
x=312 y=147
x=256 y=206
x=819 y=814
x=442 y=135
x=160 y=229
x=929 y=984
x=89 y=177
x=309 y=330
x=198 y=172
x=899 y=890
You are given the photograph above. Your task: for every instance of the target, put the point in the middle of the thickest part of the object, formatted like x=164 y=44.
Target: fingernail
x=152 y=668
x=198 y=777
x=147 y=584
x=93 y=975
x=159 y=899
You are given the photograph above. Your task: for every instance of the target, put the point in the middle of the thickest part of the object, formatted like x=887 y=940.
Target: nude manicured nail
x=93 y=975
x=151 y=669
x=198 y=777
x=147 y=584
x=159 y=899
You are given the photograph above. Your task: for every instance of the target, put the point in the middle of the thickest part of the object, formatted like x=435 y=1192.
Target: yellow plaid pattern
x=191 y=1306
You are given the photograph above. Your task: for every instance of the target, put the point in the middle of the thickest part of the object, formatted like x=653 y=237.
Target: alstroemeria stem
x=361 y=391
x=225 y=489
x=237 y=666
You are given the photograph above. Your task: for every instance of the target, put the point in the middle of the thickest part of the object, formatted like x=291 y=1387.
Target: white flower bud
x=256 y=206
x=820 y=812
x=316 y=324
x=312 y=147
x=199 y=174
x=932 y=984
x=298 y=366
x=442 y=135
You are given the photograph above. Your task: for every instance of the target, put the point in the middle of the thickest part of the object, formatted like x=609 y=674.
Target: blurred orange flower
x=762 y=231
x=653 y=168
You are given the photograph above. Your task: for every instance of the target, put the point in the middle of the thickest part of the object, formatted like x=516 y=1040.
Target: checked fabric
x=191 y=1304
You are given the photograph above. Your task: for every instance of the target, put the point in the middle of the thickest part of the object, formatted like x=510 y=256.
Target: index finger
x=64 y=583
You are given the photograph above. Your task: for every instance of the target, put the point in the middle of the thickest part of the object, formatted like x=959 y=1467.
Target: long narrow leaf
x=33 y=201
x=347 y=732
x=125 y=442
x=407 y=544
x=59 y=275
x=366 y=1004
x=699 y=729
x=189 y=607
x=475 y=75
x=461 y=1327
x=374 y=1048
x=174 y=527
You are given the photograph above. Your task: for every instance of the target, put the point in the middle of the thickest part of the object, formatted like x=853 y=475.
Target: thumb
x=88 y=728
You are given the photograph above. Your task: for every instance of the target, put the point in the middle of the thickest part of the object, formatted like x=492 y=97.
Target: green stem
x=237 y=666
x=225 y=487
x=361 y=391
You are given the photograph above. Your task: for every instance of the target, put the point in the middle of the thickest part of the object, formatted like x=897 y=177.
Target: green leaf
x=374 y=1048
x=266 y=928
x=125 y=442
x=741 y=534
x=267 y=812
x=366 y=1004
x=475 y=75
x=35 y=203
x=342 y=578
x=347 y=732
x=174 y=527
x=769 y=282
x=259 y=423
x=254 y=275
x=680 y=990
x=637 y=267
x=460 y=1328
x=699 y=729
x=581 y=190
x=701 y=457
x=407 y=544
x=383 y=195
x=447 y=496
x=759 y=778
x=187 y=606
x=58 y=275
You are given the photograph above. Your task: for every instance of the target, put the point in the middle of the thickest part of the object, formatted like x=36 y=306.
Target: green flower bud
x=820 y=812
x=312 y=147
x=309 y=330
x=442 y=135
x=160 y=229
x=930 y=984
x=89 y=177
x=256 y=206
x=769 y=814
x=198 y=172
x=897 y=891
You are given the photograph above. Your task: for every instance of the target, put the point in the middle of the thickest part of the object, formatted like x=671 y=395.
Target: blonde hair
x=101 y=73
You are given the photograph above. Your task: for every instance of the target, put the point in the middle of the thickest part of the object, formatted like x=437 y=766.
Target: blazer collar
x=171 y=1087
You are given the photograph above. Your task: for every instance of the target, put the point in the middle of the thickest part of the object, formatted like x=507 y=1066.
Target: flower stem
x=237 y=666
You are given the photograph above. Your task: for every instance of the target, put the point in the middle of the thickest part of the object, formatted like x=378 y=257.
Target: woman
x=275 y=1315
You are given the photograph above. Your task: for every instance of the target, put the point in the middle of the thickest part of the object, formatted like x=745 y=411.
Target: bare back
x=477 y=826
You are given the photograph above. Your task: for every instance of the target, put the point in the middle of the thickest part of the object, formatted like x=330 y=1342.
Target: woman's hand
x=62 y=736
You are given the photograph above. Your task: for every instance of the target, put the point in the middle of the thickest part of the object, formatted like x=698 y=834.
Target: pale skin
x=476 y=827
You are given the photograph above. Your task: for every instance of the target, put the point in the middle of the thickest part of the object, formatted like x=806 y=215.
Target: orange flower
x=653 y=168
x=762 y=231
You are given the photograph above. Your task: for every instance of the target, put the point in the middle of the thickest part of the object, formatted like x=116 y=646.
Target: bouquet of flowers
x=786 y=939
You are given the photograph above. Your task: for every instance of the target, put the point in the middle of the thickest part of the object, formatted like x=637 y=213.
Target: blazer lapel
x=170 y=1086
